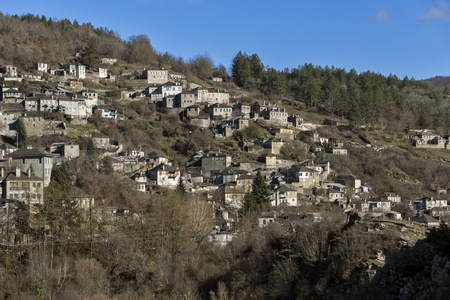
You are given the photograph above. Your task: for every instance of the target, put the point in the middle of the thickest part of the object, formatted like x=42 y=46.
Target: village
x=223 y=179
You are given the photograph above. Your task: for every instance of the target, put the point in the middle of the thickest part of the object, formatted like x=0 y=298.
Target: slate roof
x=27 y=153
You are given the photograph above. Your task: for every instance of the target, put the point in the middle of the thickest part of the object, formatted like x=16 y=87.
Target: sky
x=403 y=37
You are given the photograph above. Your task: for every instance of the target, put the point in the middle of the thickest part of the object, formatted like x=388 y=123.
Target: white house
x=164 y=175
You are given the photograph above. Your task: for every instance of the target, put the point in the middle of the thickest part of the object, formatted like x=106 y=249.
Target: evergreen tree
x=22 y=134
x=260 y=191
x=181 y=189
x=106 y=166
x=250 y=204
x=241 y=69
x=60 y=212
x=91 y=154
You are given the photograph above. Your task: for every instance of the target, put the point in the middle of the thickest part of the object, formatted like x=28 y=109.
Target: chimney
x=2 y=172
x=17 y=172
x=29 y=172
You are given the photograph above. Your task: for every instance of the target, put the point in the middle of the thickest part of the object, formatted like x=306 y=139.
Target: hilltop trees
x=365 y=98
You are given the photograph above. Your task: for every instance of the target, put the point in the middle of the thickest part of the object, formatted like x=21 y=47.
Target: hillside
x=253 y=184
x=439 y=81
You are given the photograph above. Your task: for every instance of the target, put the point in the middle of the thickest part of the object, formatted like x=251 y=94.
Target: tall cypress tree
x=260 y=190
x=22 y=134
x=250 y=204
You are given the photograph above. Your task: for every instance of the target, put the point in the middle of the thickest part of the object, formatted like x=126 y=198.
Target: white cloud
x=382 y=16
x=440 y=12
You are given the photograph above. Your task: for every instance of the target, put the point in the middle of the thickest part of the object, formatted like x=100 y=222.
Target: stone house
x=233 y=197
x=102 y=73
x=164 y=175
x=284 y=133
x=202 y=120
x=296 y=121
x=266 y=219
x=10 y=93
x=8 y=71
x=334 y=195
x=388 y=196
x=429 y=203
x=155 y=159
x=339 y=151
x=220 y=110
x=36 y=160
x=141 y=181
x=302 y=176
x=74 y=108
x=212 y=96
x=284 y=195
x=241 y=123
x=33 y=125
x=22 y=186
x=66 y=150
x=49 y=104
x=379 y=205
x=170 y=89
x=216 y=161
x=243 y=109
x=244 y=183
x=106 y=112
x=156 y=75
x=31 y=104
x=186 y=99
x=42 y=67
x=84 y=200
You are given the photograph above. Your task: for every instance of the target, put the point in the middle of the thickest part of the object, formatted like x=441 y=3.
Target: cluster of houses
x=224 y=180
x=427 y=139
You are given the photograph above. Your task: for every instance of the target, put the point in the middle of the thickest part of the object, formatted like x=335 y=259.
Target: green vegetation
x=22 y=134
x=366 y=98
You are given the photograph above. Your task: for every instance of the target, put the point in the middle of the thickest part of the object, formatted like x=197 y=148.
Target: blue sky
x=403 y=37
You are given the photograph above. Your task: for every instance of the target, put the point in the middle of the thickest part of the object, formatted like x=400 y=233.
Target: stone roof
x=11 y=176
x=27 y=153
x=163 y=167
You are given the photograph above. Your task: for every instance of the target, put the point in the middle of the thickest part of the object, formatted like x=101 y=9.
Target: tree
x=260 y=191
x=24 y=87
x=446 y=91
x=202 y=66
x=181 y=189
x=22 y=134
x=91 y=154
x=250 y=204
x=240 y=69
x=141 y=50
x=106 y=166
x=60 y=211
